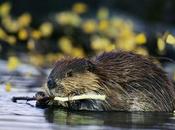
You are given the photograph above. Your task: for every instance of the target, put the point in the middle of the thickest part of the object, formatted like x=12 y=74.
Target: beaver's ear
x=90 y=66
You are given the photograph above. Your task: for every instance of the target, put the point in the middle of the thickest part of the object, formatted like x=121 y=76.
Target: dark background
x=149 y=10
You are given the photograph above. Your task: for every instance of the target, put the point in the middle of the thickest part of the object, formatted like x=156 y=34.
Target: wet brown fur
x=130 y=81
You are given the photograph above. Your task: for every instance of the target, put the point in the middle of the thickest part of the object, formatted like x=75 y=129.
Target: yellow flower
x=160 y=45
x=79 y=8
x=170 y=39
x=13 y=63
x=10 y=25
x=2 y=34
x=77 y=52
x=100 y=43
x=140 y=39
x=46 y=29
x=103 y=13
x=31 y=44
x=103 y=25
x=65 y=45
x=5 y=9
x=24 y=20
x=36 y=34
x=110 y=47
x=68 y=18
x=89 y=26
x=124 y=28
x=23 y=34
x=117 y=22
x=11 y=40
x=141 y=51
x=128 y=44
x=125 y=39
x=8 y=87
x=52 y=58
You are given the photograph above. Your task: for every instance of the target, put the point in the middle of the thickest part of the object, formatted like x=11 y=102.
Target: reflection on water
x=25 y=116
x=135 y=120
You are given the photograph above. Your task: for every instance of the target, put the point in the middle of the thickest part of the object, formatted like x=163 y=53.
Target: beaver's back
x=136 y=81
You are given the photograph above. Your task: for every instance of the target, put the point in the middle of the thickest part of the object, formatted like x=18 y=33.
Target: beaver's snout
x=51 y=84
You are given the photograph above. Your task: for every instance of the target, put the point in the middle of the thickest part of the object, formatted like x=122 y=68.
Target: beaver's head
x=72 y=77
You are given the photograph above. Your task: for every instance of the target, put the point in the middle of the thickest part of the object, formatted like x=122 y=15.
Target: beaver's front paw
x=41 y=100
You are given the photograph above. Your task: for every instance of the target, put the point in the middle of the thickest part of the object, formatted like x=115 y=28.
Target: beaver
x=131 y=82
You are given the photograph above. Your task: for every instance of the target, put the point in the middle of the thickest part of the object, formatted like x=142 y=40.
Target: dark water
x=25 y=116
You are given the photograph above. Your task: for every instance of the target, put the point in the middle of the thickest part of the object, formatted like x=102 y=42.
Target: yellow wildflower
x=170 y=39
x=52 y=58
x=117 y=22
x=11 y=40
x=68 y=18
x=79 y=8
x=65 y=45
x=36 y=34
x=46 y=29
x=110 y=47
x=8 y=87
x=13 y=63
x=128 y=44
x=31 y=44
x=77 y=52
x=89 y=26
x=141 y=51
x=5 y=9
x=160 y=45
x=100 y=43
x=140 y=39
x=10 y=25
x=2 y=34
x=103 y=13
x=23 y=34
x=24 y=20
x=103 y=25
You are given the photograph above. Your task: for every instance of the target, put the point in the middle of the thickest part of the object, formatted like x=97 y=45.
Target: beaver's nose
x=51 y=84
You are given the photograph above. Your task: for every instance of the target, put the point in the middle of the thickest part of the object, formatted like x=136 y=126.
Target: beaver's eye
x=69 y=74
